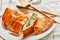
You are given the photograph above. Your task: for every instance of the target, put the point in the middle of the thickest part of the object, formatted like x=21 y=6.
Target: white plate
x=5 y=33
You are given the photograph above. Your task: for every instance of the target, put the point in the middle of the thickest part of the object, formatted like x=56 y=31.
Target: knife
x=27 y=5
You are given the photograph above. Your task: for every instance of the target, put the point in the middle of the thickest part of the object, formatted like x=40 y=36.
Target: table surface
x=53 y=5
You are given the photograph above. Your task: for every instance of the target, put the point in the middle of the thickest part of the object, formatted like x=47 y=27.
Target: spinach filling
x=31 y=19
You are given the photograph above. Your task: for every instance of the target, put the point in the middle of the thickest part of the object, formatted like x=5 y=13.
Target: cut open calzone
x=18 y=23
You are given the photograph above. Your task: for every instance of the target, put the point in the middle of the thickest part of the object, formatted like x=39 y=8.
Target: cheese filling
x=30 y=21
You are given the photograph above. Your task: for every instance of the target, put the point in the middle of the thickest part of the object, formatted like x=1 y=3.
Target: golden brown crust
x=7 y=17
x=42 y=24
x=13 y=20
x=18 y=24
x=28 y=31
